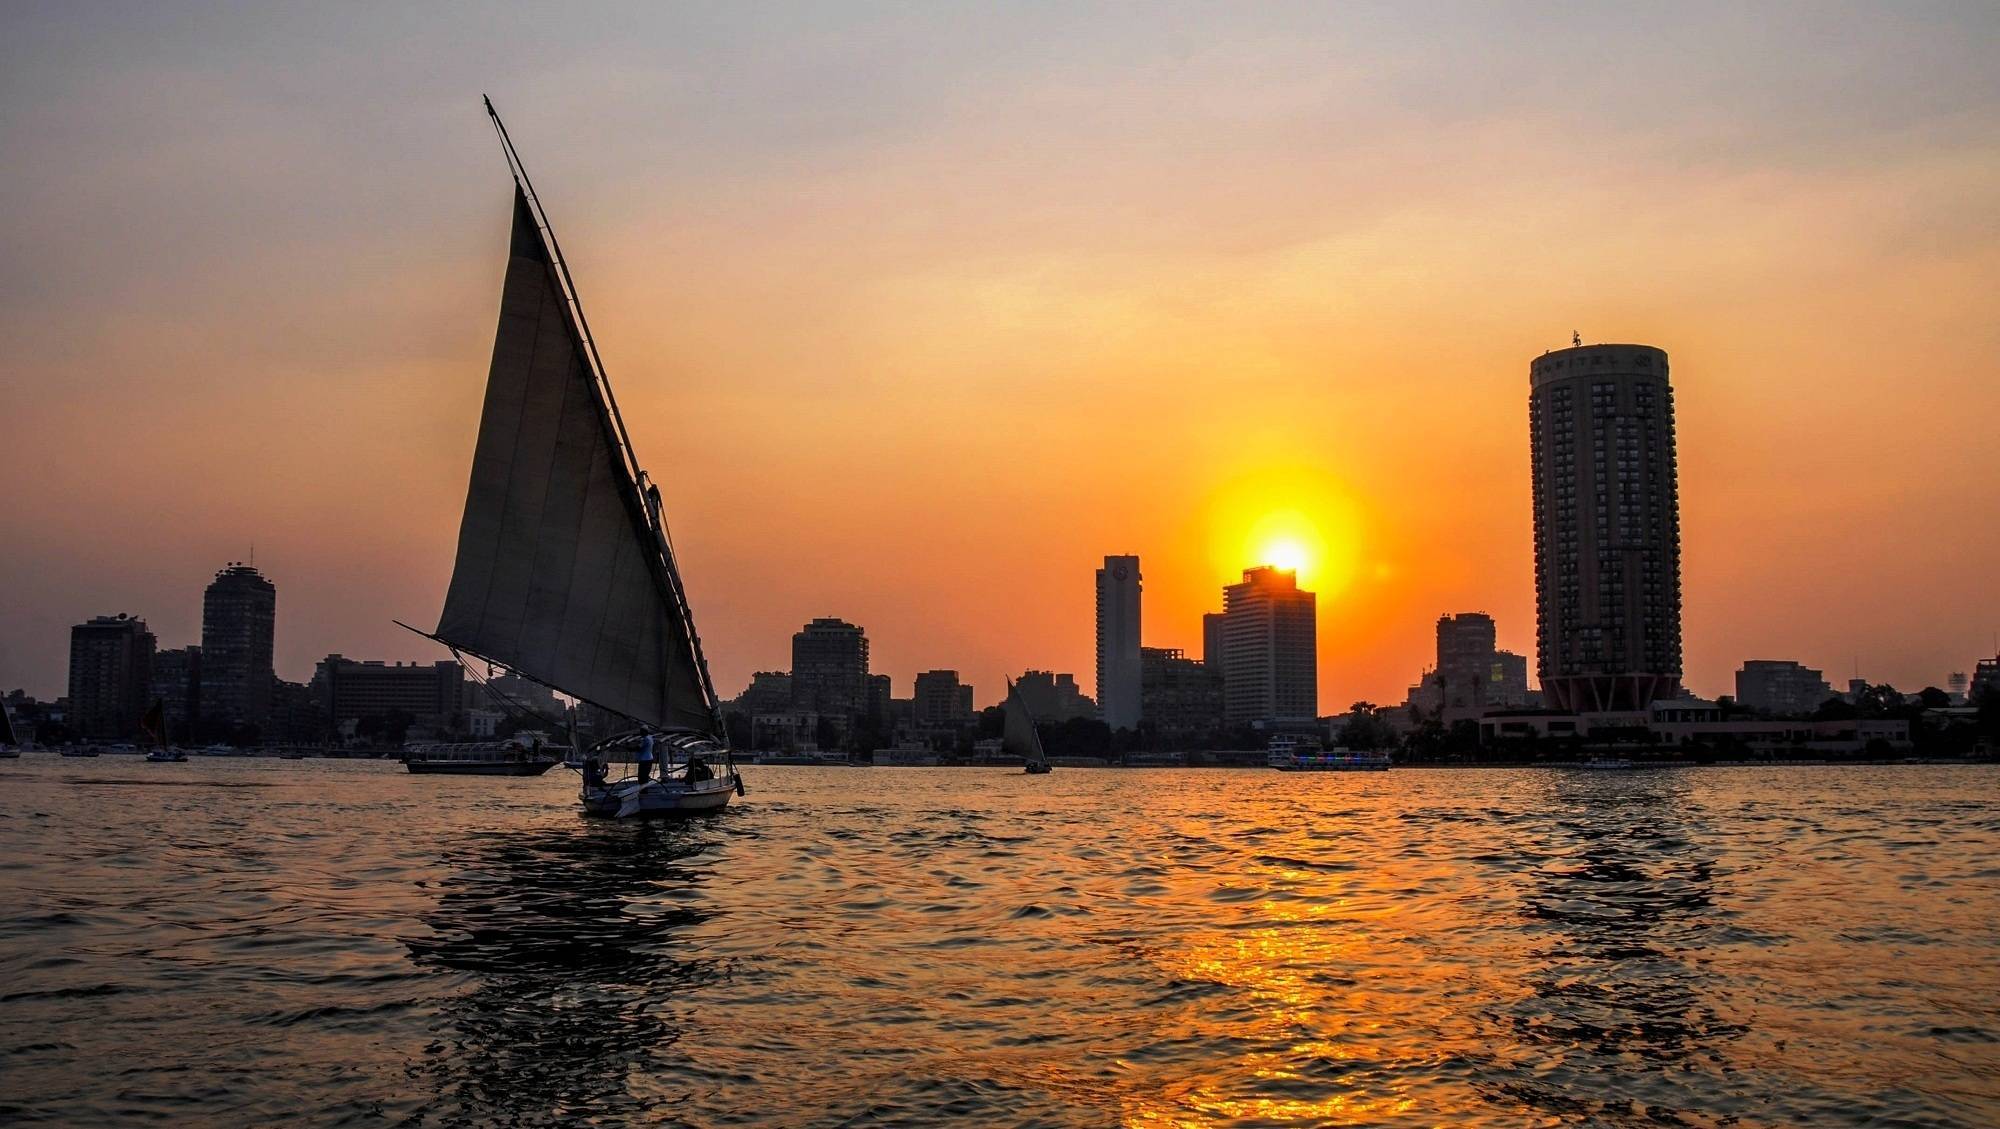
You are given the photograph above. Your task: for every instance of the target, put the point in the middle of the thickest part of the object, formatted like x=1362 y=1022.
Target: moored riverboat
x=1289 y=753
x=479 y=758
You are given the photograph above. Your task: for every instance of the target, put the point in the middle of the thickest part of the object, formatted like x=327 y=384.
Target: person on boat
x=646 y=758
x=698 y=770
x=593 y=772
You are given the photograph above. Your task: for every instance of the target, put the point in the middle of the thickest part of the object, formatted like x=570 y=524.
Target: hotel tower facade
x=1607 y=527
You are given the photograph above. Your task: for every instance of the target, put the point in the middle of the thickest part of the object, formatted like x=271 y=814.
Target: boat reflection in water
x=569 y=948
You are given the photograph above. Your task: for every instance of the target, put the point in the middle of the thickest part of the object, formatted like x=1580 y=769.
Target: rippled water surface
x=245 y=942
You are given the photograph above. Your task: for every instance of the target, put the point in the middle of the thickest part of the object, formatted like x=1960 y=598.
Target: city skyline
x=1316 y=340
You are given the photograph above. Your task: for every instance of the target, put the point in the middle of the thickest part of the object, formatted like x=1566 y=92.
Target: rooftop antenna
x=1575 y=339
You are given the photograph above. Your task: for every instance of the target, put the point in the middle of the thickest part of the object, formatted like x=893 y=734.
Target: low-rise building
x=1693 y=722
x=1178 y=694
x=1781 y=688
x=1051 y=696
x=430 y=693
x=941 y=700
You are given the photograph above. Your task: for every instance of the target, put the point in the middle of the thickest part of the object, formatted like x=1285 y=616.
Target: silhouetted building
x=770 y=691
x=110 y=676
x=1607 y=527
x=1053 y=697
x=1783 y=688
x=1465 y=658
x=1955 y=687
x=296 y=717
x=1118 y=642
x=1180 y=694
x=940 y=700
x=1508 y=687
x=512 y=695
x=1427 y=695
x=1985 y=679
x=830 y=670
x=1270 y=648
x=176 y=685
x=428 y=693
x=881 y=692
x=1212 y=649
x=239 y=615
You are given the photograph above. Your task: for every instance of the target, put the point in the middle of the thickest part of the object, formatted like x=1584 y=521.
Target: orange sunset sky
x=917 y=312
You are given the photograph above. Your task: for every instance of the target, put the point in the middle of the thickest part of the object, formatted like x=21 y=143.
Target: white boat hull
x=659 y=798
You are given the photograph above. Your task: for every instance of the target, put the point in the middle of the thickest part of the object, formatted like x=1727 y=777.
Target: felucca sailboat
x=565 y=572
x=1018 y=734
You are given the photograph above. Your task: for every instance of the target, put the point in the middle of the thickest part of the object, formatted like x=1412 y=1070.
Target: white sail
x=1017 y=733
x=560 y=574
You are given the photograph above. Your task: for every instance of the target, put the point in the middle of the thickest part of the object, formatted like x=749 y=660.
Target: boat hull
x=659 y=799
x=479 y=768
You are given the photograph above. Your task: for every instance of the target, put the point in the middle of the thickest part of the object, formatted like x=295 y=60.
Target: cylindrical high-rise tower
x=1607 y=527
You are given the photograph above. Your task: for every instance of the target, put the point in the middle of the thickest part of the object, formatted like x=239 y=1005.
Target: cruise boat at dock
x=1291 y=753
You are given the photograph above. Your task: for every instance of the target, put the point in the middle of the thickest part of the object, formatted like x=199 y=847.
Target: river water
x=250 y=942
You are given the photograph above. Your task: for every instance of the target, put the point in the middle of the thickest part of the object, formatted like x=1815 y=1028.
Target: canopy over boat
x=565 y=572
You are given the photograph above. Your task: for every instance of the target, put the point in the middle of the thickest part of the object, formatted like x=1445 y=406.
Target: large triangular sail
x=1018 y=735
x=562 y=573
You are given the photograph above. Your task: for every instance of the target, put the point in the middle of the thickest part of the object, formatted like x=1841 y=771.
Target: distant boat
x=565 y=572
x=1290 y=753
x=813 y=757
x=1018 y=735
x=10 y=744
x=509 y=757
x=155 y=725
x=1602 y=764
x=80 y=751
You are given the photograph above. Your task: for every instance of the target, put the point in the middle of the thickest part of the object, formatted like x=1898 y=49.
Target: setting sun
x=1297 y=518
x=1286 y=554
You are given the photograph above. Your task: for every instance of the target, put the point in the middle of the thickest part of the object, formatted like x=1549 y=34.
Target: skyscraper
x=239 y=615
x=830 y=669
x=1607 y=527
x=1118 y=673
x=110 y=674
x=1270 y=642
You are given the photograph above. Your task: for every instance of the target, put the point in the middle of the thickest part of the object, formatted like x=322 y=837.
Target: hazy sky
x=916 y=311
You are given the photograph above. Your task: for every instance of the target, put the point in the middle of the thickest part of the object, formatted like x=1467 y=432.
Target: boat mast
x=629 y=458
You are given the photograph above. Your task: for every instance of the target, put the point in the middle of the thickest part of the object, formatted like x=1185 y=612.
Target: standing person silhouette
x=646 y=759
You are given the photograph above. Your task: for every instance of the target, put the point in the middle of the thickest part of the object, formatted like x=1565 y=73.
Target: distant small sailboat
x=565 y=572
x=155 y=725
x=1018 y=735
x=10 y=744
